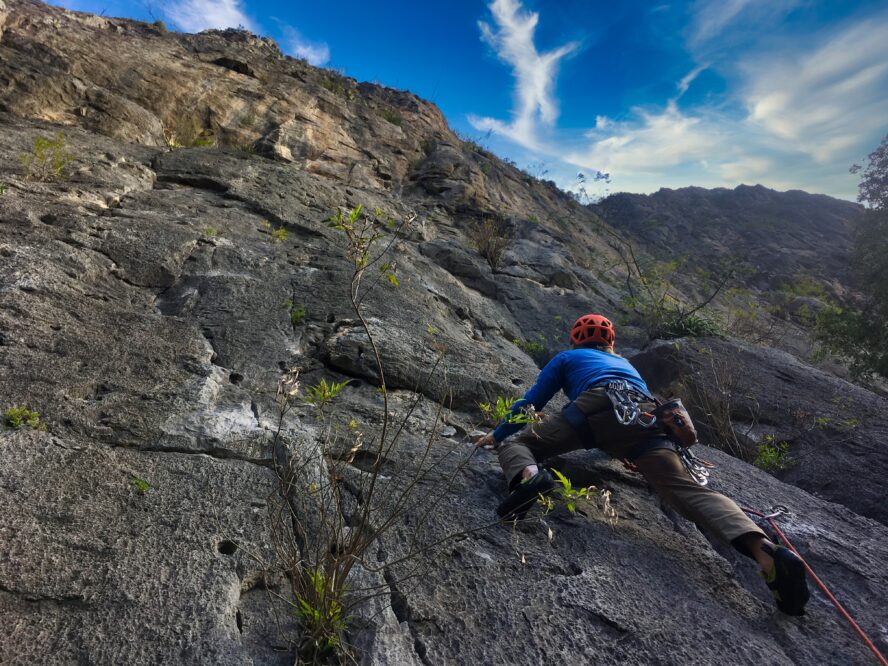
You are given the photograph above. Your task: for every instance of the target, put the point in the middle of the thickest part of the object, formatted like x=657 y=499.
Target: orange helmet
x=592 y=329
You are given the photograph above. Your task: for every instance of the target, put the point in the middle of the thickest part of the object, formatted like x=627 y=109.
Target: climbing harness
x=780 y=510
x=670 y=416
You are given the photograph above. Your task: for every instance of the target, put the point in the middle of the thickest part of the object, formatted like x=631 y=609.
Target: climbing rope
x=780 y=510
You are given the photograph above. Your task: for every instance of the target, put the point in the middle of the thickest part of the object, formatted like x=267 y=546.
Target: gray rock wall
x=146 y=314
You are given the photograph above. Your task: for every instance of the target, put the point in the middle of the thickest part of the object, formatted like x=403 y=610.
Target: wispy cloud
x=827 y=99
x=648 y=143
x=197 y=15
x=315 y=53
x=712 y=16
x=688 y=79
x=713 y=19
x=513 y=41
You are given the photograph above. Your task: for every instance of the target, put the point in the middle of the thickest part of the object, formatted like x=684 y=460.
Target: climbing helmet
x=592 y=329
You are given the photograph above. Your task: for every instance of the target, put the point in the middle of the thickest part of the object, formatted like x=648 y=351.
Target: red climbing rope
x=820 y=583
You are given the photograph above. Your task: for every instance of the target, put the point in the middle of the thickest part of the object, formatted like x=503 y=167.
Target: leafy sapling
x=592 y=497
x=17 y=417
x=772 y=456
x=297 y=313
x=322 y=394
x=278 y=235
x=501 y=412
x=48 y=160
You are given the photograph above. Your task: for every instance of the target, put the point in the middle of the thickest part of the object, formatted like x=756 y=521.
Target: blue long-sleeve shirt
x=572 y=371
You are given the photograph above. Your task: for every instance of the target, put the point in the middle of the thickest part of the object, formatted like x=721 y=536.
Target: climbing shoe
x=516 y=505
x=786 y=580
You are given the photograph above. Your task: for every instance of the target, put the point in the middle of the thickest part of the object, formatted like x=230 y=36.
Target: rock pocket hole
x=236 y=378
x=227 y=547
x=331 y=318
x=240 y=621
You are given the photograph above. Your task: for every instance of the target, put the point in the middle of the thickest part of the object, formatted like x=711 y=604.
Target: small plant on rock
x=501 y=412
x=529 y=346
x=772 y=455
x=392 y=116
x=17 y=417
x=48 y=160
x=278 y=235
x=585 y=501
x=297 y=313
x=320 y=611
x=322 y=394
x=3 y=188
x=187 y=131
x=141 y=486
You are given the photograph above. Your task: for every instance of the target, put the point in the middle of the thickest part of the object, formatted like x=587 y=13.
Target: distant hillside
x=783 y=236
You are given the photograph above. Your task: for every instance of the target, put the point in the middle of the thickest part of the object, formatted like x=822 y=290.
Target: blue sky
x=786 y=93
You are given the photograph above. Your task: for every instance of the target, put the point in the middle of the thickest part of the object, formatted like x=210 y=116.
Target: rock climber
x=587 y=372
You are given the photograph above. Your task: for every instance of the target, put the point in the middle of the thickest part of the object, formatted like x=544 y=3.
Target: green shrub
x=693 y=325
x=591 y=497
x=211 y=232
x=391 y=115
x=48 y=160
x=772 y=455
x=322 y=393
x=491 y=237
x=501 y=412
x=338 y=85
x=187 y=131
x=320 y=612
x=17 y=417
x=160 y=26
x=278 y=235
x=3 y=188
x=297 y=313
x=530 y=347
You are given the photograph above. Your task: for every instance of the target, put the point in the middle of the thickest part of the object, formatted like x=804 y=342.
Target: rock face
x=835 y=430
x=152 y=300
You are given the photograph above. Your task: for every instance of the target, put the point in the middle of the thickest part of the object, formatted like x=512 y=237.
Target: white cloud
x=688 y=79
x=713 y=16
x=650 y=143
x=513 y=41
x=197 y=15
x=827 y=99
x=745 y=169
x=719 y=29
x=315 y=53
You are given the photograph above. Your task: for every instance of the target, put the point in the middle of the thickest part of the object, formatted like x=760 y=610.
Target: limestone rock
x=151 y=300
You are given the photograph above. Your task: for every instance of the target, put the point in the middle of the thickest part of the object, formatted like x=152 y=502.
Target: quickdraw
x=697 y=467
